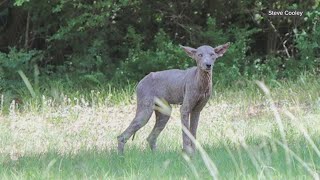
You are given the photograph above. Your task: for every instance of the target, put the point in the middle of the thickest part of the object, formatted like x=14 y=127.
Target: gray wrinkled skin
x=191 y=88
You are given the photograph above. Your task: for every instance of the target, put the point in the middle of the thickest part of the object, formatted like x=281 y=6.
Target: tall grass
x=264 y=131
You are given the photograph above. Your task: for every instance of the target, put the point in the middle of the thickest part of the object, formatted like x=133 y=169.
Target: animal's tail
x=134 y=134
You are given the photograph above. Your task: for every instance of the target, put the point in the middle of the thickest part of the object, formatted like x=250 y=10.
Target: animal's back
x=168 y=84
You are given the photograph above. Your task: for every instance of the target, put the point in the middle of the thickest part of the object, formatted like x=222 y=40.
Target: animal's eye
x=211 y=54
x=200 y=55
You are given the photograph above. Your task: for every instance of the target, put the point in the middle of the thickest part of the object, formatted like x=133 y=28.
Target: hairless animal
x=191 y=88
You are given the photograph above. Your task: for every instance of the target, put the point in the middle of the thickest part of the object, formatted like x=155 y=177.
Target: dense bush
x=92 y=42
x=15 y=60
x=164 y=55
x=307 y=41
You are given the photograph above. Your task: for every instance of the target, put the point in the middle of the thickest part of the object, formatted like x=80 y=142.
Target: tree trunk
x=11 y=35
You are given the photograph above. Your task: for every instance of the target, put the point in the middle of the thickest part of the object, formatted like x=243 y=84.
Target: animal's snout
x=208 y=66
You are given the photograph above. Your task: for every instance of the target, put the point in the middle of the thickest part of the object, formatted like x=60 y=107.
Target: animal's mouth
x=207 y=69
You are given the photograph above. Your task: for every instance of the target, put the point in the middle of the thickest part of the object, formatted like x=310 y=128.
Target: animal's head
x=205 y=56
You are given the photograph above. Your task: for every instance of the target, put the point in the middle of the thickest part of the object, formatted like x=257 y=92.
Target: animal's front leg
x=185 y=122
x=194 y=120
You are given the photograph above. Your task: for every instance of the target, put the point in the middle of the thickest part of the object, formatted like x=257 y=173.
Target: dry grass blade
x=52 y=162
x=276 y=114
x=163 y=107
x=2 y=102
x=312 y=172
x=204 y=155
x=234 y=161
x=251 y=155
x=304 y=132
x=27 y=83
x=191 y=166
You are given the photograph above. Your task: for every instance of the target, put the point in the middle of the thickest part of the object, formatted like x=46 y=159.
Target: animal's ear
x=190 y=51
x=220 y=50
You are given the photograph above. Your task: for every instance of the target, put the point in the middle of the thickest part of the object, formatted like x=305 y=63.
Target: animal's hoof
x=152 y=143
x=153 y=147
x=120 y=146
x=189 y=151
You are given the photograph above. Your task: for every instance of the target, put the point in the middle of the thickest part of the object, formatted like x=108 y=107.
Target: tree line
x=94 y=41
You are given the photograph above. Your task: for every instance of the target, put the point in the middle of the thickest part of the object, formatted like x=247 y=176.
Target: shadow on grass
x=144 y=164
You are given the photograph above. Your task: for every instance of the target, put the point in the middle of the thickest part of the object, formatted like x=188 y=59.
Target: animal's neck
x=204 y=79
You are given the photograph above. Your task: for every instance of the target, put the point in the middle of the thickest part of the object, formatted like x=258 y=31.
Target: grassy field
x=244 y=132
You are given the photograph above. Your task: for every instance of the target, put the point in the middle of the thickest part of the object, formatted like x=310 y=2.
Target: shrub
x=164 y=55
x=17 y=60
x=307 y=41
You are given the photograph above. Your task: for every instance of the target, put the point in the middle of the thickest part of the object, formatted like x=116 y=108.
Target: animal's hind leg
x=161 y=121
x=141 y=119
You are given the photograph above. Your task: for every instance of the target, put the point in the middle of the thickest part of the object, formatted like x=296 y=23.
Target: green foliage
x=90 y=42
x=20 y=2
x=308 y=42
x=164 y=55
x=235 y=64
x=75 y=136
x=14 y=61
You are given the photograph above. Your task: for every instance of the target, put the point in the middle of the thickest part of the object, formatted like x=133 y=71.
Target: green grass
x=63 y=134
x=143 y=164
